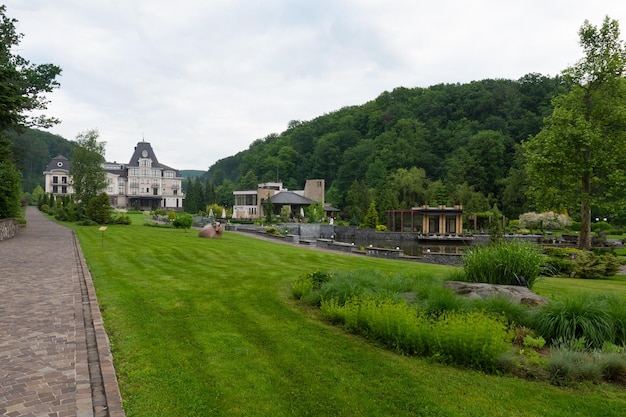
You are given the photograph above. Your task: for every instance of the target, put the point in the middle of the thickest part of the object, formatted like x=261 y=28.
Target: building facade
x=250 y=204
x=143 y=183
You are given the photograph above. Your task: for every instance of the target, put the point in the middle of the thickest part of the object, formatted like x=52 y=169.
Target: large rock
x=211 y=230
x=521 y=295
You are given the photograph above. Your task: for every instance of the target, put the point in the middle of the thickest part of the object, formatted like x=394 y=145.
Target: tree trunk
x=584 y=240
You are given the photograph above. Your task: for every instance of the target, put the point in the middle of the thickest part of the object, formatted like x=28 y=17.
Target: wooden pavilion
x=427 y=220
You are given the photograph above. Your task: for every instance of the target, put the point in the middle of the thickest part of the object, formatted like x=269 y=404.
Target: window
x=55 y=189
x=169 y=174
x=64 y=189
x=156 y=173
x=55 y=180
x=120 y=190
x=175 y=192
x=144 y=172
x=134 y=172
x=110 y=190
x=63 y=180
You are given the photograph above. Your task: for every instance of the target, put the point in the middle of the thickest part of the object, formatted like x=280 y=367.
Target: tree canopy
x=454 y=134
x=23 y=88
x=577 y=159
x=86 y=169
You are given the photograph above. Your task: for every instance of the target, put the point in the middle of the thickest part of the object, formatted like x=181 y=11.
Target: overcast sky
x=202 y=79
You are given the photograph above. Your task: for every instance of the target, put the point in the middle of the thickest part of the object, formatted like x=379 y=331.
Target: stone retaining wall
x=450 y=259
x=8 y=228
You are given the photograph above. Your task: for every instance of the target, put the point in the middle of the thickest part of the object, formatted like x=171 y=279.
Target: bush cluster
x=415 y=315
x=580 y=264
x=472 y=339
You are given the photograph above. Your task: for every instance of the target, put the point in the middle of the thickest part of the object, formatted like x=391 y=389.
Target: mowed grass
x=203 y=327
x=555 y=288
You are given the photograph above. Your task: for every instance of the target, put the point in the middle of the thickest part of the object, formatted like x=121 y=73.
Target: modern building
x=250 y=204
x=440 y=220
x=143 y=183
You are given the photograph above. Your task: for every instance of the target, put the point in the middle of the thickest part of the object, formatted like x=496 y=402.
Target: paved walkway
x=54 y=353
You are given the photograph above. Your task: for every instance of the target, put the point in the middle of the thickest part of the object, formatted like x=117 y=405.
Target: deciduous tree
x=578 y=157
x=86 y=170
x=23 y=88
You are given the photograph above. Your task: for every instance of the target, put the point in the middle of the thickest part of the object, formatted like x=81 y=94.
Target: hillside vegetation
x=449 y=143
x=445 y=144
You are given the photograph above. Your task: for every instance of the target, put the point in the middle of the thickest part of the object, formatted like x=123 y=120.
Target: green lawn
x=203 y=327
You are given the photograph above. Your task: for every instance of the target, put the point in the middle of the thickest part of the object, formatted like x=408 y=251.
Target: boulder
x=521 y=295
x=211 y=230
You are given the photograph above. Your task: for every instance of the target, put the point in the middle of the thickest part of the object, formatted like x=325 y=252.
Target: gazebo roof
x=290 y=198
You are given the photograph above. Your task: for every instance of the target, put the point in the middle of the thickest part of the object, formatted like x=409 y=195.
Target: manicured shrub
x=87 y=222
x=99 y=209
x=571 y=320
x=559 y=261
x=122 y=219
x=590 y=265
x=503 y=263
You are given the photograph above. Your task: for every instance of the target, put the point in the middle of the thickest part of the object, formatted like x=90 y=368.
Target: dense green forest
x=33 y=150
x=445 y=144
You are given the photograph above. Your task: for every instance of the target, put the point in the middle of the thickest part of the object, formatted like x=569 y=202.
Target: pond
x=415 y=247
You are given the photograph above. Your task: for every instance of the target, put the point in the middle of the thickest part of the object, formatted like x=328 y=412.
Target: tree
x=88 y=175
x=22 y=89
x=248 y=181
x=224 y=193
x=193 y=196
x=10 y=190
x=358 y=199
x=577 y=158
x=183 y=221
x=98 y=209
x=371 y=217
x=23 y=85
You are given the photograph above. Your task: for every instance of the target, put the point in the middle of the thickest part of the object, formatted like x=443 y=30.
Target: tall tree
x=578 y=157
x=86 y=170
x=22 y=89
x=23 y=85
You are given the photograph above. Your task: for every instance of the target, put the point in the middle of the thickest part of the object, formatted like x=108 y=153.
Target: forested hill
x=449 y=143
x=34 y=149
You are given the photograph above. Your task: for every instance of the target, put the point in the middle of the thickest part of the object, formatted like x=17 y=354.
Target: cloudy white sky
x=202 y=79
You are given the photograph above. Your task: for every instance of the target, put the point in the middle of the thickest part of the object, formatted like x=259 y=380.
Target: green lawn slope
x=202 y=327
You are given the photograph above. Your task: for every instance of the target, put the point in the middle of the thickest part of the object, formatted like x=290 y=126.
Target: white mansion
x=143 y=183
